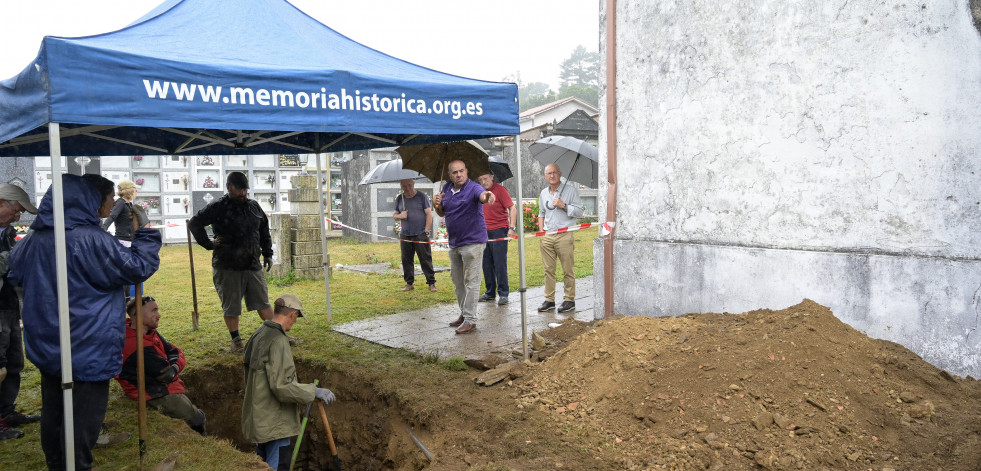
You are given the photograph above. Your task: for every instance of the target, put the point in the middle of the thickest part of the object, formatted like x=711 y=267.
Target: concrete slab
x=498 y=327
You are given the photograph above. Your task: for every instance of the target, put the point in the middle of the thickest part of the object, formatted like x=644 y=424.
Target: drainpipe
x=611 y=155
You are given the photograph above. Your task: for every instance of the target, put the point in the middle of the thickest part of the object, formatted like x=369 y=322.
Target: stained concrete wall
x=771 y=151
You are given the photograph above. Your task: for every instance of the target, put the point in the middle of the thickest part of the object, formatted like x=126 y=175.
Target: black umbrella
x=500 y=168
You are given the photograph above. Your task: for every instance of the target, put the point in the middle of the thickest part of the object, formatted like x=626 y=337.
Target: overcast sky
x=482 y=39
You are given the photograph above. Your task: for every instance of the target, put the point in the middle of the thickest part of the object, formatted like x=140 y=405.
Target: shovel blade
x=335 y=464
x=168 y=463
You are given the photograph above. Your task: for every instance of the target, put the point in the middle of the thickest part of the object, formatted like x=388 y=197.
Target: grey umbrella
x=389 y=172
x=577 y=160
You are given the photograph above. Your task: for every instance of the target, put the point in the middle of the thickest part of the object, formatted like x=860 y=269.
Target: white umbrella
x=390 y=172
x=577 y=159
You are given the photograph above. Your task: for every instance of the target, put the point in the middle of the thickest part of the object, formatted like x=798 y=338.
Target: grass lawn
x=354 y=296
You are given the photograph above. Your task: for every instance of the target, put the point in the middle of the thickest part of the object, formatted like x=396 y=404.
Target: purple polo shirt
x=464 y=214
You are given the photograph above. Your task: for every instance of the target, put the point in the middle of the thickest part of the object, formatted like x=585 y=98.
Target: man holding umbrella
x=412 y=208
x=460 y=204
x=558 y=208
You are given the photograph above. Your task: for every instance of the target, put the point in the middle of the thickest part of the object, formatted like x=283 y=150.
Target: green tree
x=581 y=68
x=531 y=94
x=537 y=100
x=585 y=93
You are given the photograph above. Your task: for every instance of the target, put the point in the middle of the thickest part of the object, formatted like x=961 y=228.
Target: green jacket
x=272 y=392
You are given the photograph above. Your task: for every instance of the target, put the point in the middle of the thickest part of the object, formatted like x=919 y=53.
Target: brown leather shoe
x=408 y=288
x=432 y=288
x=466 y=328
x=457 y=322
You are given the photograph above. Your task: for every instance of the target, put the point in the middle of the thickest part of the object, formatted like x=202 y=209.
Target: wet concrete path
x=498 y=327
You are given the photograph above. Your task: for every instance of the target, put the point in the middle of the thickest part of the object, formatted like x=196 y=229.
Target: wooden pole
x=194 y=286
x=140 y=367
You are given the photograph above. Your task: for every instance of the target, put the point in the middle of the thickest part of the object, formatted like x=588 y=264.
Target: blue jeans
x=496 y=264
x=269 y=451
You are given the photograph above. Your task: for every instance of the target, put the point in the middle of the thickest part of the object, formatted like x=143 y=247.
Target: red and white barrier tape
x=534 y=234
x=604 y=229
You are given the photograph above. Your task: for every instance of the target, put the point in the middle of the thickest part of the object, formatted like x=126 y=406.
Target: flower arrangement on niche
x=206 y=160
x=209 y=183
x=270 y=179
x=148 y=204
x=186 y=203
x=184 y=181
x=137 y=159
x=139 y=181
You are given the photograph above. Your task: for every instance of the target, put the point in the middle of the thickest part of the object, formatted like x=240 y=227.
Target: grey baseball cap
x=10 y=192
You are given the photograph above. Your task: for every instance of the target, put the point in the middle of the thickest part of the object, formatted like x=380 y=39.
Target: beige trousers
x=559 y=247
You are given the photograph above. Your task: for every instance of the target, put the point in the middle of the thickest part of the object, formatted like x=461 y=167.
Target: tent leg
x=521 y=255
x=323 y=235
x=61 y=268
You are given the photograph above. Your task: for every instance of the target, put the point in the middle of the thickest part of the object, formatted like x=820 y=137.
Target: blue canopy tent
x=231 y=77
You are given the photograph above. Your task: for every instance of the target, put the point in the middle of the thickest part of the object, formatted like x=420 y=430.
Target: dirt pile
x=788 y=389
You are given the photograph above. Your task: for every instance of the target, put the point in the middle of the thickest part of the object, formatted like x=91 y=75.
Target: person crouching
x=163 y=363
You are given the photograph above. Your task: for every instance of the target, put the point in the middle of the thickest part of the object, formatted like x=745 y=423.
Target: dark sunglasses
x=146 y=299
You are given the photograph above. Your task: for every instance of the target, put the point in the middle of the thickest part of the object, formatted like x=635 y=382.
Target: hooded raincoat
x=99 y=269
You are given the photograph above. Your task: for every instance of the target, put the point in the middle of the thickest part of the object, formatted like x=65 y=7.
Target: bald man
x=461 y=204
x=558 y=207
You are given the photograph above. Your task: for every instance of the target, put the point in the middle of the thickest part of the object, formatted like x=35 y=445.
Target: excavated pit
x=369 y=431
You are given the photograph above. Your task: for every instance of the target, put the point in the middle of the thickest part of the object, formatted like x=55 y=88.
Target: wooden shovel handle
x=330 y=436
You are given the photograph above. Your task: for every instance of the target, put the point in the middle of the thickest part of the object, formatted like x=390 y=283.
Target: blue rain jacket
x=99 y=270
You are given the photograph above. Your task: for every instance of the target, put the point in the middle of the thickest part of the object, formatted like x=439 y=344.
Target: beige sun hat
x=127 y=184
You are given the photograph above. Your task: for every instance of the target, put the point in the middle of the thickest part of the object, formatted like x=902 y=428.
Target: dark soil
x=788 y=389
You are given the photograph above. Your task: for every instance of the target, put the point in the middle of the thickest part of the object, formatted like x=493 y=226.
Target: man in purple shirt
x=460 y=205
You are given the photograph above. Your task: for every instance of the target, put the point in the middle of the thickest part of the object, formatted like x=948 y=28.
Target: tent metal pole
x=521 y=254
x=61 y=269
x=323 y=232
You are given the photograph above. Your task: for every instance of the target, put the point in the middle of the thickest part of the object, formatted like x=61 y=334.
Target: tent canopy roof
x=237 y=77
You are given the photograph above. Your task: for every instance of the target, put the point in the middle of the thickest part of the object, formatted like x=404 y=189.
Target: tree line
x=578 y=77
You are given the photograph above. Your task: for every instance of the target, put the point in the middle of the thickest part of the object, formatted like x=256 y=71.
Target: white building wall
x=771 y=151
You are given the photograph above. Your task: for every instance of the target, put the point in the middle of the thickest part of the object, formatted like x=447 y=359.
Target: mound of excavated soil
x=789 y=389
x=777 y=390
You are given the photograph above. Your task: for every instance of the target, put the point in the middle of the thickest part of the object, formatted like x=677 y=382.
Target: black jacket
x=122 y=215
x=241 y=233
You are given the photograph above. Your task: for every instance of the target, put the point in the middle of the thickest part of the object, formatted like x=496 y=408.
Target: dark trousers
x=496 y=264
x=89 y=401
x=11 y=357
x=409 y=251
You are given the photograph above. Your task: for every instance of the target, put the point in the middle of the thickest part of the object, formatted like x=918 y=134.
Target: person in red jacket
x=163 y=365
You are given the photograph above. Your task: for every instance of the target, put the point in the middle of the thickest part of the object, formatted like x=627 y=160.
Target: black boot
x=197 y=423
